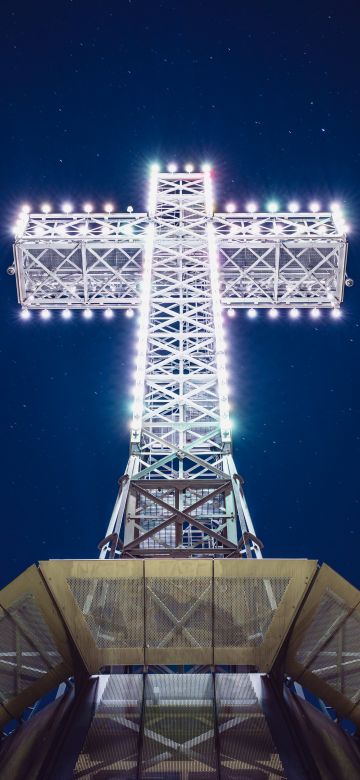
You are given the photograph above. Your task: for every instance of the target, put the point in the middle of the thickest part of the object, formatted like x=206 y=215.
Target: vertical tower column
x=181 y=494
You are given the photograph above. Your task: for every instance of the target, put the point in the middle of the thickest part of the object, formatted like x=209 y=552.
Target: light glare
x=273 y=314
x=66 y=314
x=293 y=206
x=189 y=168
x=336 y=313
x=314 y=206
x=45 y=314
x=294 y=314
x=172 y=167
x=87 y=314
x=67 y=208
x=230 y=207
x=109 y=207
x=108 y=314
x=273 y=206
x=315 y=314
x=129 y=313
x=231 y=312
x=25 y=314
x=251 y=207
x=88 y=208
x=251 y=313
x=46 y=208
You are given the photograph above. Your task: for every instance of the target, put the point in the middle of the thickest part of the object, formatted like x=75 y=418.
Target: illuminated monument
x=185 y=652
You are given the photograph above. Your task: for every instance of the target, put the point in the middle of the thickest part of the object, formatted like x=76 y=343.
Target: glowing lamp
x=336 y=313
x=45 y=314
x=314 y=206
x=230 y=207
x=231 y=312
x=67 y=208
x=251 y=313
x=108 y=314
x=273 y=314
x=273 y=206
x=251 y=207
x=109 y=207
x=66 y=314
x=294 y=314
x=172 y=168
x=315 y=314
x=25 y=314
x=293 y=206
x=46 y=208
x=87 y=314
x=129 y=313
x=189 y=168
x=88 y=208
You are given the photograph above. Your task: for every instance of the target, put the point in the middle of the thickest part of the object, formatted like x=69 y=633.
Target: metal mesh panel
x=330 y=611
x=111 y=747
x=178 y=612
x=179 y=733
x=246 y=746
x=244 y=608
x=112 y=608
x=337 y=658
x=27 y=648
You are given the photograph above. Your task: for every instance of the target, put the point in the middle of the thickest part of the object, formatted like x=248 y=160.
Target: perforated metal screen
x=179 y=727
x=324 y=652
x=111 y=748
x=246 y=746
x=34 y=651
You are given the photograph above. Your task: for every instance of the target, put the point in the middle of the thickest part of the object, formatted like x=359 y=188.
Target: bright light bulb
x=108 y=314
x=109 y=207
x=336 y=313
x=46 y=208
x=231 y=312
x=189 y=168
x=251 y=207
x=129 y=313
x=25 y=209
x=25 y=314
x=172 y=168
x=88 y=208
x=251 y=313
x=129 y=209
x=294 y=314
x=206 y=168
x=45 y=314
x=315 y=314
x=87 y=314
x=230 y=207
x=335 y=206
x=67 y=208
x=155 y=167
x=273 y=314
x=314 y=206
x=293 y=206
x=66 y=314
x=273 y=206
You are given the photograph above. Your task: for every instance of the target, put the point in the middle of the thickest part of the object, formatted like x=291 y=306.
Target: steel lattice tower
x=181 y=493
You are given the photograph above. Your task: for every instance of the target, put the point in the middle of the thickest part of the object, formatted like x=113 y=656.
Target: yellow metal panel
x=35 y=655
x=255 y=602
x=324 y=649
x=179 y=612
x=102 y=603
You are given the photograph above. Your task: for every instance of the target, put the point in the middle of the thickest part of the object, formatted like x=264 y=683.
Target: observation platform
x=78 y=618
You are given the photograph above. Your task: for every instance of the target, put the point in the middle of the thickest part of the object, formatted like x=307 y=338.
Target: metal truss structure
x=96 y=260
x=180 y=264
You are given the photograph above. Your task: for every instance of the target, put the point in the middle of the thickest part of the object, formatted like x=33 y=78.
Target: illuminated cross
x=182 y=266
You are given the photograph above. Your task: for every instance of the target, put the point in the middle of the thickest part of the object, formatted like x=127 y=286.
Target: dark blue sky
x=91 y=93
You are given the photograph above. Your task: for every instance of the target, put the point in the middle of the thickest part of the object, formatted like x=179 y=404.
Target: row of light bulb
x=294 y=313
x=172 y=167
x=68 y=208
x=66 y=314
x=273 y=206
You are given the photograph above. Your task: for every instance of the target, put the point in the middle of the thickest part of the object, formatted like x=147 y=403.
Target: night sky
x=92 y=92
